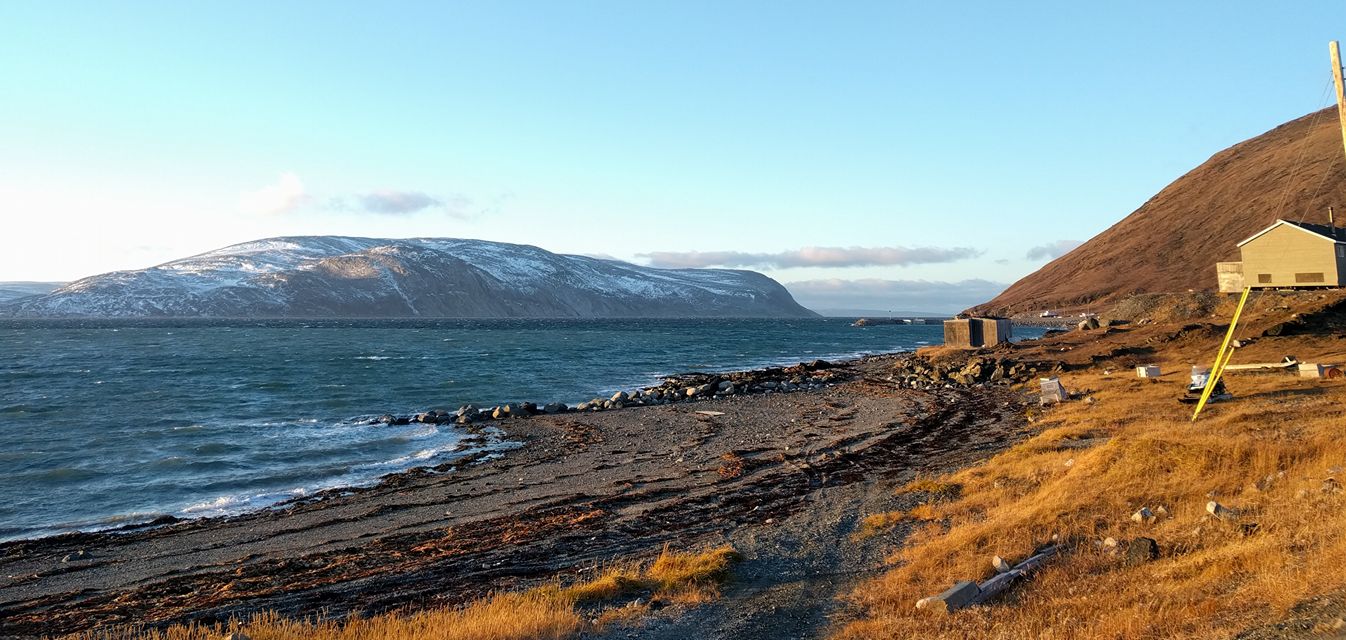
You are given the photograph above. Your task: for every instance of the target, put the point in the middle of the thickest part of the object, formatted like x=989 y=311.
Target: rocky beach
x=734 y=458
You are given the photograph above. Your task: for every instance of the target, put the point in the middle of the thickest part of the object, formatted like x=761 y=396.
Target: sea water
x=107 y=423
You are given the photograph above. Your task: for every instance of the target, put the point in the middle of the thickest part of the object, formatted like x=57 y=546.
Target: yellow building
x=1287 y=255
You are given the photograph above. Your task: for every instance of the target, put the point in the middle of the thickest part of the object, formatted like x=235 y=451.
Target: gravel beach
x=782 y=476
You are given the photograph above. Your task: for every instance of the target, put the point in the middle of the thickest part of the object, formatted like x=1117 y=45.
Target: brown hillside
x=1172 y=242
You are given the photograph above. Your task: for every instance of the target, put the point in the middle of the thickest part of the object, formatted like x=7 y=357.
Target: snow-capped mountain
x=334 y=276
x=15 y=290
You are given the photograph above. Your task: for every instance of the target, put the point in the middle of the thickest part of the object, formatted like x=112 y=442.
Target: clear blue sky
x=949 y=139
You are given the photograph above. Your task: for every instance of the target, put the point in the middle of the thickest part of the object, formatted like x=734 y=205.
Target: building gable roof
x=1321 y=230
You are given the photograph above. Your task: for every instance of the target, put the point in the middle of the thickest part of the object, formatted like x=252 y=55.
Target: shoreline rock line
x=910 y=370
x=688 y=387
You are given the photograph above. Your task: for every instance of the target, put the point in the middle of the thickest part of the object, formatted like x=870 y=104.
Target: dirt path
x=796 y=570
x=584 y=488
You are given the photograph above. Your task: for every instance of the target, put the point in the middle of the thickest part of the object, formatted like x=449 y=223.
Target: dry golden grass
x=690 y=577
x=923 y=511
x=1267 y=453
x=937 y=488
x=877 y=523
x=544 y=613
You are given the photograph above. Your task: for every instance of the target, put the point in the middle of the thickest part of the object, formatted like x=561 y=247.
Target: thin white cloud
x=393 y=202
x=396 y=202
x=811 y=257
x=897 y=296
x=286 y=195
x=1053 y=250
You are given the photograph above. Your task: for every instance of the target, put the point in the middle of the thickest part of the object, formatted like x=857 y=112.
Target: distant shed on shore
x=968 y=333
x=1287 y=255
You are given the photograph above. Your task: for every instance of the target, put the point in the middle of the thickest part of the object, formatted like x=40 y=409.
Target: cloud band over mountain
x=894 y=295
x=289 y=195
x=811 y=257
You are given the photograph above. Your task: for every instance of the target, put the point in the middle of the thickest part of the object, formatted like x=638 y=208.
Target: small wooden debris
x=956 y=597
x=1000 y=565
x=993 y=587
x=966 y=593
x=1288 y=363
x=1220 y=511
x=711 y=413
x=1315 y=370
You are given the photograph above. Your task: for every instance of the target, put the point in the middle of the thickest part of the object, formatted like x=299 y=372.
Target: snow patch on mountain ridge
x=337 y=275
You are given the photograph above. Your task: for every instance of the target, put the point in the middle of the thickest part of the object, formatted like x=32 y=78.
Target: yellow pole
x=1221 y=358
x=1341 y=88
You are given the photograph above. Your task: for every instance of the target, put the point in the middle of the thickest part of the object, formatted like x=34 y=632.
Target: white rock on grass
x=1144 y=516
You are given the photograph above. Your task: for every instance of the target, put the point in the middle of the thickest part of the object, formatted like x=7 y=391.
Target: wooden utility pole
x=1341 y=88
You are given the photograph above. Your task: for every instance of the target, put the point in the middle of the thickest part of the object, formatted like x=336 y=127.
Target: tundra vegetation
x=617 y=594
x=1245 y=505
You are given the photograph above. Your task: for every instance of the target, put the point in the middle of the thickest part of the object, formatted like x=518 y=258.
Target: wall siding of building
x=1285 y=251
x=996 y=330
x=962 y=333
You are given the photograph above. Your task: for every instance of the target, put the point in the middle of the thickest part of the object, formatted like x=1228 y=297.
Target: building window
x=1263 y=278
x=1308 y=277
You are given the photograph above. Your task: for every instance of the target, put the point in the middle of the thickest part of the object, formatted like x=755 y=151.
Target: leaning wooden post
x=1221 y=358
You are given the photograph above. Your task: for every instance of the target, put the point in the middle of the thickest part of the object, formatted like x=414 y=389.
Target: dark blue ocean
x=108 y=423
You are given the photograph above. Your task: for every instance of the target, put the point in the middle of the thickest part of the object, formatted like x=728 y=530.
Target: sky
x=869 y=155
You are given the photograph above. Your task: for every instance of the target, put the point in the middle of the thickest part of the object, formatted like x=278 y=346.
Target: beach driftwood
x=967 y=593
